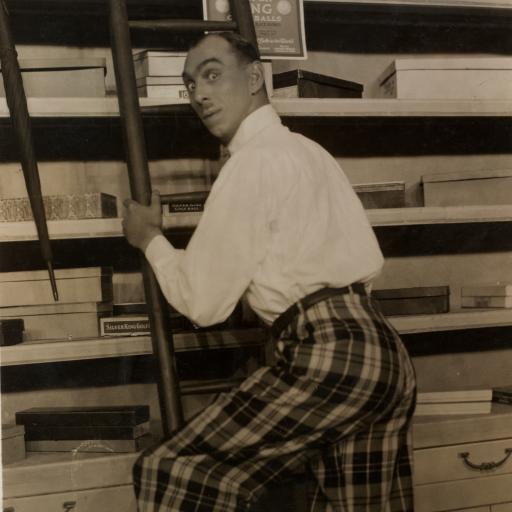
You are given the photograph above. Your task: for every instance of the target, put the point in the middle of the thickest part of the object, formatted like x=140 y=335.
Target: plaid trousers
x=339 y=399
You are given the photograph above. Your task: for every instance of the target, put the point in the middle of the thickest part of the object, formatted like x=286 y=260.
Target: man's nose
x=200 y=94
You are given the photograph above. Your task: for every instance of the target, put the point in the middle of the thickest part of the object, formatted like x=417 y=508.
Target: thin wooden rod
x=140 y=185
x=18 y=109
x=242 y=14
x=183 y=25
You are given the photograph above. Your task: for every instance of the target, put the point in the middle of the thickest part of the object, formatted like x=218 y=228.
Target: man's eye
x=191 y=86
x=212 y=75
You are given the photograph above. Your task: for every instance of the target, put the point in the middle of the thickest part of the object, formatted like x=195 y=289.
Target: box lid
x=61 y=64
x=445 y=63
x=466 y=175
x=490 y=290
x=12 y=325
x=291 y=77
x=379 y=187
x=61 y=273
x=9 y=431
x=157 y=53
x=407 y=293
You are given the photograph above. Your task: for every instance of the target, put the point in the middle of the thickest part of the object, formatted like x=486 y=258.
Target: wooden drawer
x=108 y=499
x=461 y=494
x=445 y=463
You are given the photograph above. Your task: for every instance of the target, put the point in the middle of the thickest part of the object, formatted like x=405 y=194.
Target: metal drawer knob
x=485 y=466
x=68 y=506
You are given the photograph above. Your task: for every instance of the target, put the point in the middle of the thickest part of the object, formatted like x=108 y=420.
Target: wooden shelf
x=289 y=107
x=453 y=321
x=111 y=228
x=447 y=4
x=98 y=348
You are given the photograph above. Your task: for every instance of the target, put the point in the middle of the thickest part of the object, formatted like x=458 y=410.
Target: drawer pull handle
x=68 y=506
x=485 y=466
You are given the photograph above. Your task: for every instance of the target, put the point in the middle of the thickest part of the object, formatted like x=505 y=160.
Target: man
x=283 y=226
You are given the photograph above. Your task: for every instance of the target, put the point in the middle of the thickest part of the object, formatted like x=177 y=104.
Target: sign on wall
x=279 y=25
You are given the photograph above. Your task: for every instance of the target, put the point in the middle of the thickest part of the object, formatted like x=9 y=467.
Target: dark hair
x=241 y=46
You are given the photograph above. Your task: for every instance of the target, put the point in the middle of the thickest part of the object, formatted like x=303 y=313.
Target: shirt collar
x=256 y=121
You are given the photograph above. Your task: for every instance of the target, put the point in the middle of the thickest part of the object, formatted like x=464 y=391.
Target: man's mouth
x=209 y=114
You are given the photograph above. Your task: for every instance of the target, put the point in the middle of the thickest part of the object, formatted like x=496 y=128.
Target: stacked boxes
x=422 y=300
x=158 y=74
x=85 y=295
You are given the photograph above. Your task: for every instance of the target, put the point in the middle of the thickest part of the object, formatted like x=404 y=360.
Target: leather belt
x=284 y=319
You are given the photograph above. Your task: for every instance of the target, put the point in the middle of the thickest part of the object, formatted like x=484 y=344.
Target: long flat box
x=66 y=433
x=489 y=290
x=299 y=83
x=92 y=205
x=62 y=77
x=484 y=78
x=381 y=195
x=11 y=331
x=13 y=443
x=32 y=288
x=158 y=63
x=111 y=415
x=162 y=86
x=60 y=320
x=413 y=301
x=468 y=188
x=92 y=445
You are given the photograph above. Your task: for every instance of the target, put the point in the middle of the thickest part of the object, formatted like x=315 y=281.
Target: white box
x=158 y=63
x=448 y=78
x=62 y=77
x=162 y=86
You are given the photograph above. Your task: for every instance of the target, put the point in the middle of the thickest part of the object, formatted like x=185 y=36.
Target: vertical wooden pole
x=18 y=109
x=140 y=185
x=242 y=15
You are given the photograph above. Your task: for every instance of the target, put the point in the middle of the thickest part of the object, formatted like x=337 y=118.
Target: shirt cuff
x=157 y=249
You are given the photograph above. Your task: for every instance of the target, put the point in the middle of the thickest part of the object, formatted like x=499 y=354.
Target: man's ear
x=256 y=77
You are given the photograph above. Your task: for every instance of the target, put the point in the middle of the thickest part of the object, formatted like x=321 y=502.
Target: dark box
x=298 y=83
x=11 y=331
x=381 y=195
x=413 y=301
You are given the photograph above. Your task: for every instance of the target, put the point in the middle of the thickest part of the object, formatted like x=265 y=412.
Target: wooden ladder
x=138 y=172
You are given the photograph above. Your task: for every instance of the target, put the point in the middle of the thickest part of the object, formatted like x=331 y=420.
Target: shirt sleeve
x=205 y=281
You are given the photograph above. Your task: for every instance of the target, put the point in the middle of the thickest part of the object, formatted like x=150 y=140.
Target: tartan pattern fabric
x=338 y=399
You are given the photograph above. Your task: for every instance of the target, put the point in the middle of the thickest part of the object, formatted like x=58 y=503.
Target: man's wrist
x=152 y=233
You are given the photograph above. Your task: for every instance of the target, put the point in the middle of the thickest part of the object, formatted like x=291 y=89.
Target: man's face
x=218 y=83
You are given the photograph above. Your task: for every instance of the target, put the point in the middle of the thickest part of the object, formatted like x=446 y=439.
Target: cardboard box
x=464 y=188
x=487 y=296
x=32 y=288
x=11 y=331
x=299 y=83
x=162 y=86
x=59 y=321
x=62 y=77
x=60 y=207
x=448 y=78
x=158 y=63
x=381 y=195
x=413 y=301
x=13 y=443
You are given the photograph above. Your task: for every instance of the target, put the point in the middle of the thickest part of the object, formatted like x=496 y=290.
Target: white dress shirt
x=281 y=221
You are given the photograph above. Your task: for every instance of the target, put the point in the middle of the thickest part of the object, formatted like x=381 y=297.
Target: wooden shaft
x=183 y=25
x=18 y=109
x=140 y=185
x=242 y=15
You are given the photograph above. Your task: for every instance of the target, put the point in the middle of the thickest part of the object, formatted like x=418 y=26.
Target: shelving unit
x=374 y=118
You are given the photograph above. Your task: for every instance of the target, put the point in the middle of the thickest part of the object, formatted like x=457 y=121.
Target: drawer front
x=108 y=499
x=446 y=463
x=502 y=507
x=461 y=494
